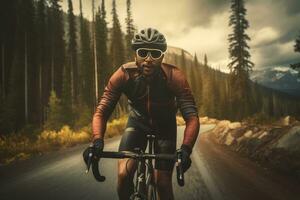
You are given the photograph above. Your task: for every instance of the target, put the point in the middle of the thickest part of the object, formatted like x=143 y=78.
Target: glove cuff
x=98 y=143
x=186 y=148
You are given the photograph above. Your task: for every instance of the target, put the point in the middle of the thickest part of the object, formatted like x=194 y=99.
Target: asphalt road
x=216 y=173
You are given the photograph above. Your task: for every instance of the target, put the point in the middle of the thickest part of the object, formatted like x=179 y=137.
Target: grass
x=20 y=146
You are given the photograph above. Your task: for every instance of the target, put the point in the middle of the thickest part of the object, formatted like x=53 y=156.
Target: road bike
x=144 y=187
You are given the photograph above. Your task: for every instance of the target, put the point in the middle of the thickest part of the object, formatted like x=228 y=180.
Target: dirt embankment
x=274 y=145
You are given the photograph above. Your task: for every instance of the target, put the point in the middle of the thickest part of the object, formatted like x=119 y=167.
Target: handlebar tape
x=96 y=172
x=179 y=170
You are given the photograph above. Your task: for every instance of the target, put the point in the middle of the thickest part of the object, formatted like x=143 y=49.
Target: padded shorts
x=134 y=137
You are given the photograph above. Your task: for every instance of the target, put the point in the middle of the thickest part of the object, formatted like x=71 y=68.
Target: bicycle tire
x=137 y=196
x=151 y=192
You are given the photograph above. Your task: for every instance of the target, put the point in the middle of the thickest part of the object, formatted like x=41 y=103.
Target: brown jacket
x=156 y=99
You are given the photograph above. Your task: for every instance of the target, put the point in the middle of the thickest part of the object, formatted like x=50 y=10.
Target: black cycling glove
x=186 y=160
x=98 y=146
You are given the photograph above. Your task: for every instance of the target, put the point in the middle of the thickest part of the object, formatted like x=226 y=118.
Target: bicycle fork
x=140 y=182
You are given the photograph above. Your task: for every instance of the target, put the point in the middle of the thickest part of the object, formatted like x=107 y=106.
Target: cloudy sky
x=201 y=26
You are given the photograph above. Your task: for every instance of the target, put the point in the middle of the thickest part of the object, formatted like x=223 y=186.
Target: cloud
x=277 y=54
x=292 y=7
x=210 y=40
x=201 y=26
x=273 y=28
x=264 y=36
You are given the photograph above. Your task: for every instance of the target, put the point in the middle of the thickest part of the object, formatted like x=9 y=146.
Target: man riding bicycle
x=154 y=90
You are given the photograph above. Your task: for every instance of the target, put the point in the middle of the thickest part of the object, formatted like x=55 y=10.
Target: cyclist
x=154 y=91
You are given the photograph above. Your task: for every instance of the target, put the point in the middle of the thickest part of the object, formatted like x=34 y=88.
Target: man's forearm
x=107 y=103
x=191 y=131
x=98 y=126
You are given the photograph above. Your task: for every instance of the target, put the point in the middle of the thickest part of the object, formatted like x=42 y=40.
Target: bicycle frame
x=144 y=173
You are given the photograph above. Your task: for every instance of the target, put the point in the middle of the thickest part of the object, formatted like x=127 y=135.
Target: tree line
x=212 y=91
x=46 y=53
x=55 y=65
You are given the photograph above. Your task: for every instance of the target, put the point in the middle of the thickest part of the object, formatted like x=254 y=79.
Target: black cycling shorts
x=134 y=137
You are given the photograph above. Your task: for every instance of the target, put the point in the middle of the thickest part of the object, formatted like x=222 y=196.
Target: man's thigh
x=165 y=146
x=132 y=139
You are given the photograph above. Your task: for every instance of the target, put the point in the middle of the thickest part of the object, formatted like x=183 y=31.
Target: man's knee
x=126 y=170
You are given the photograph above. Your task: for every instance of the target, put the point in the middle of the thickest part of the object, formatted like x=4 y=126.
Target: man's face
x=148 y=60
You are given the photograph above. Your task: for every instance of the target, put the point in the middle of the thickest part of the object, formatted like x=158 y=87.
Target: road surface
x=216 y=173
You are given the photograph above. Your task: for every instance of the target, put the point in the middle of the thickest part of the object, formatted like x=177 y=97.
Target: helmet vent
x=143 y=37
x=149 y=38
x=149 y=34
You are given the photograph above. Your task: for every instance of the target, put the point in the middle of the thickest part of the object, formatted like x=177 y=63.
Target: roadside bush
x=54 y=113
x=116 y=127
x=83 y=116
x=22 y=145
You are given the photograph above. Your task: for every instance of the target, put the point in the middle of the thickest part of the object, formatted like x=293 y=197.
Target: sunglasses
x=153 y=53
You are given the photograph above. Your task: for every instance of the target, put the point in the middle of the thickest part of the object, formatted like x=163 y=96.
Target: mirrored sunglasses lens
x=142 y=53
x=155 y=53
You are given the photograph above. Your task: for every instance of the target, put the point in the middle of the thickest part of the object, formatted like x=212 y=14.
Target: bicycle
x=144 y=188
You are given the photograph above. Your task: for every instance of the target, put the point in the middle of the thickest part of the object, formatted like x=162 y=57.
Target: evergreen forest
x=55 y=65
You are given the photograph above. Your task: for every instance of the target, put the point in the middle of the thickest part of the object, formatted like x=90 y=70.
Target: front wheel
x=151 y=192
x=137 y=196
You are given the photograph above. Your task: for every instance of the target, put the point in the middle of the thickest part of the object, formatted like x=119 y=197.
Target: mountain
x=178 y=51
x=278 y=78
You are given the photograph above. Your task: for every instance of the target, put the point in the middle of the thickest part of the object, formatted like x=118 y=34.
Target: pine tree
x=239 y=49
x=183 y=62
x=205 y=60
x=117 y=54
x=17 y=102
x=69 y=74
x=72 y=52
x=296 y=66
x=52 y=48
x=8 y=20
x=207 y=96
x=101 y=39
x=196 y=62
x=117 y=44
x=57 y=47
x=66 y=98
x=197 y=82
x=48 y=49
x=240 y=64
x=41 y=55
x=30 y=79
x=129 y=32
x=96 y=70
x=54 y=113
x=86 y=65
x=297 y=44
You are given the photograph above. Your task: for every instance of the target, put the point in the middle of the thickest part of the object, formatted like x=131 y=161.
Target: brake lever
x=179 y=170
x=93 y=160
x=96 y=172
x=90 y=157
